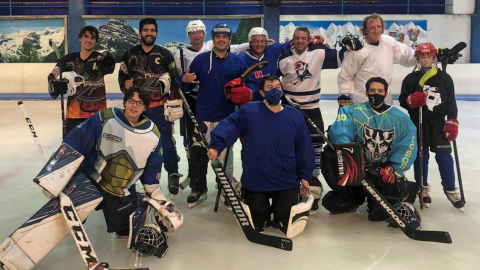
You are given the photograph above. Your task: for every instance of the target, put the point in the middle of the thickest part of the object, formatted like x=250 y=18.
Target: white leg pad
x=299 y=214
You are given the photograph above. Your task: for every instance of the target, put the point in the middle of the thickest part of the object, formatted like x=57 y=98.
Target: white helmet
x=257 y=31
x=196 y=25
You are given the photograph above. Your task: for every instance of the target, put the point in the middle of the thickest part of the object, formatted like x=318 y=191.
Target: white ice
x=209 y=240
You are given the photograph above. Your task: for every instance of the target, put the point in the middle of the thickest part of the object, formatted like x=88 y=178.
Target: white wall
x=32 y=78
x=444 y=31
x=460 y=6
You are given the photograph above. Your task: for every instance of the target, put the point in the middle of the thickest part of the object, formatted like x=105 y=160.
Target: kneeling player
x=114 y=148
x=388 y=138
x=278 y=157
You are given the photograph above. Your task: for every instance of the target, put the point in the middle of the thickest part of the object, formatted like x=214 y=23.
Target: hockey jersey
x=440 y=99
x=116 y=153
x=146 y=68
x=271 y=55
x=277 y=146
x=372 y=61
x=302 y=74
x=90 y=96
x=388 y=138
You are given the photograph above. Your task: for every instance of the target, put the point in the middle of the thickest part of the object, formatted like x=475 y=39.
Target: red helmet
x=425 y=49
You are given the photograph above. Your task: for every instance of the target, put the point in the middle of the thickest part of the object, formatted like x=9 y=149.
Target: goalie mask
x=151 y=240
x=409 y=213
x=74 y=80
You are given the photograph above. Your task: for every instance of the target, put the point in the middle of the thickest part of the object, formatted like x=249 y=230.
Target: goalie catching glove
x=237 y=93
x=173 y=110
x=169 y=218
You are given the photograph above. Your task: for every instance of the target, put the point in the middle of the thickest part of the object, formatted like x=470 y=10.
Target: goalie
x=388 y=140
x=112 y=150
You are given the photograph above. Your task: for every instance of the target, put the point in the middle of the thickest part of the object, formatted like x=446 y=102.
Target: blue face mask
x=273 y=96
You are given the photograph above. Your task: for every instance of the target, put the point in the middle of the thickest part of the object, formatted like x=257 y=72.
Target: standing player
x=301 y=68
x=153 y=68
x=212 y=71
x=389 y=141
x=274 y=166
x=85 y=85
x=431 y=90
x=375 y=60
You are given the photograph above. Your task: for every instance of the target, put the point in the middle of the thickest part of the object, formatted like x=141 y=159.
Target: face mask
x=273 y=96
x=376 y=99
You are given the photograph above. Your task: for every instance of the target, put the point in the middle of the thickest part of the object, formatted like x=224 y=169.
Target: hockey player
x=389 y=141
x=153 y=68
x=258 y=52
x=290 y=155
x=80 y=76
x=431 y=90
x=301 y=68
x=212 y=71
x=374 y=60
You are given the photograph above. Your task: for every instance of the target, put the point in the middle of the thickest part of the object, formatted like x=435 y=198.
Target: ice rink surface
x=209 y=240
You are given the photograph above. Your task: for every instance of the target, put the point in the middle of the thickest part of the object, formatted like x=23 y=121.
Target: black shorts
x=117 y=210
x=316 y=116
x=434 y=138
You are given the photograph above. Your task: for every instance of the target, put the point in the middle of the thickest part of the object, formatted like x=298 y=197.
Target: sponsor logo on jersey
x=301 y=68
x=408 y=154
x=172 y=65
x=112 y=138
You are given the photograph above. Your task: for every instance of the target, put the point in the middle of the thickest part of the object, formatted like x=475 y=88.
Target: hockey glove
x=168 y=217
x=388 y=174
x=417 y=99
x=450 y=130
x=445 y=56
x=229 y=85
x=316 y=40
x=173 y=110
x=165 y=81
x=351 y=43
x=106 y=60
x=74 y=80
x=344 y=100
x=58 y=87
x=241 y=95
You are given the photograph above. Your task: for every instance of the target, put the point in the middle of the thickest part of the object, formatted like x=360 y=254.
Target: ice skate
x=454 y=197
x=196 y=198
x=173 y=183
x=426 y=196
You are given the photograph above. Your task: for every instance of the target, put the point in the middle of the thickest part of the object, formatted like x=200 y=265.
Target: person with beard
x=389 y=143
x=432 y=91
x=216 y=73
x=279 y=155
x=153 y=68
x=80 y=75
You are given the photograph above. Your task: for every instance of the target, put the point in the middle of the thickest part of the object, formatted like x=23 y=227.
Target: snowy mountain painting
x=412 y=32
x=26 y=41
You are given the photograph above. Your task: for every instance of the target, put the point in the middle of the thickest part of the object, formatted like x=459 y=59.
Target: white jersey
x=189 y=54
x=301 y=74
x=372 y=61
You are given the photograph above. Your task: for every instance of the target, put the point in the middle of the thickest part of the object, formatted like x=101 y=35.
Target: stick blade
x=458 y=47
x=268 y=240
x=429 y=236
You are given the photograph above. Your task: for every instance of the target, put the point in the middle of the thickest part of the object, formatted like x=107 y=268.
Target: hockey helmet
x=257 y=31
x=425 y=49
x=151 y=240
x=409 y=213
x=221 y=28
x=196 y=25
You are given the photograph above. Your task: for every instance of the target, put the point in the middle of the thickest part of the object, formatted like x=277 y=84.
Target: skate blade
x=461 y=210
x=426 y=205
x=200 y=200
x=172 y=196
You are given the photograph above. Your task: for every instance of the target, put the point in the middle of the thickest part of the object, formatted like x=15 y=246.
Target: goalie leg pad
x=299 y=216
x=59 y=169
x=30 y=243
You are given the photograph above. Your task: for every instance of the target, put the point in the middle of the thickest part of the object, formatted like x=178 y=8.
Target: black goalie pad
x=343 y=167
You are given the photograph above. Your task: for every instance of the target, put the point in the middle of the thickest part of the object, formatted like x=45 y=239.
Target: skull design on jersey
x=301 y=68
x=433 y=98
x=378 y=144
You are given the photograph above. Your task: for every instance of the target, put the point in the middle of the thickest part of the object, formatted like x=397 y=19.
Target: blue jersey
x=116 y=153
x=271 y=55
x=278 y=149
x=389 y=138
x=213 y=73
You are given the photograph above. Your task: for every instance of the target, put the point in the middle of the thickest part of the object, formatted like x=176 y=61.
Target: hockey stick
x=232 y=197
x=460 y=46
x=420 y=134
x=69 y=212
x=62 y=69
x=408 y=230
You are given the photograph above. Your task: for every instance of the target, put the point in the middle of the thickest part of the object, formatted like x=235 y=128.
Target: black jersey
x=90 y=95
x=146 y=68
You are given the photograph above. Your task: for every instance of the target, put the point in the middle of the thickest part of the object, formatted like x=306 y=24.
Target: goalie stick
x=408 y=230
x=232 y=197
x=71 y=216
x=62 y=67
